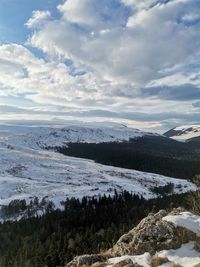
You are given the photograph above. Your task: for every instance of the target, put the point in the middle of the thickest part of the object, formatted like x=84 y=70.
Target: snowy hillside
x=34 y=136
x=185 y=133
x=27 y=170
x=26 y=173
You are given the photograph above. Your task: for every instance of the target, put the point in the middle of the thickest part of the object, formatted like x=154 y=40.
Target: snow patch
x=142 y=260
x=185 y=219
x=185 y=256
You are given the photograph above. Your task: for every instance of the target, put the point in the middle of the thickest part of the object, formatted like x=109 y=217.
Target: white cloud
x=153 y=40
x=142 y=4
x=45 y=82
x=81 y=12
x=191 y=17
x=38 y=18
x=124 y=47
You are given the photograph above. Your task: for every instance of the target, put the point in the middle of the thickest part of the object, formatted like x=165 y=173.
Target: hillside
x=155 y=154
x=34 y=135
x=185 y=133
x=29 y=170
x=31 y=167
x=28 y=173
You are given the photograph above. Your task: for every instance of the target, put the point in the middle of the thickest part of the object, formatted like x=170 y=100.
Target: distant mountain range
x=185 y=133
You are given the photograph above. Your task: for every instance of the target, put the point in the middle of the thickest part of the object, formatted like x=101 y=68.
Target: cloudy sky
x=130 y=61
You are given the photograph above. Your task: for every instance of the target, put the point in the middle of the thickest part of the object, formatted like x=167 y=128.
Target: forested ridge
x=159 y=155
x=86 y=226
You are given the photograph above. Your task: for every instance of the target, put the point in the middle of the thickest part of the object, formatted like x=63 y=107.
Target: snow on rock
x=185 y=219
x=185 y=256
x=152 y=234
x=142 y=260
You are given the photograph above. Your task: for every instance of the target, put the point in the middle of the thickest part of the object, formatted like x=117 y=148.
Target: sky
x=127 y=61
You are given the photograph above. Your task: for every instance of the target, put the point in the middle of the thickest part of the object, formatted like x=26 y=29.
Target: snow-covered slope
x=26 y=173
x=27 y=170
x=185 y=219
x=34 y=136
x=185 y=133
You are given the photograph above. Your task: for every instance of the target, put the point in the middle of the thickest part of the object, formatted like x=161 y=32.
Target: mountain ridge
x=185 y=133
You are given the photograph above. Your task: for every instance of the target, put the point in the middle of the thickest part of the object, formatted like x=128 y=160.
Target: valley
x=31 y=167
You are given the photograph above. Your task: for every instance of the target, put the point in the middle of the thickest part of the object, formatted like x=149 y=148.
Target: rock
x=85 y=260
x=126 y=263
x=123 y=263
x=152 y=234
x=176 y=211
x=99 y=264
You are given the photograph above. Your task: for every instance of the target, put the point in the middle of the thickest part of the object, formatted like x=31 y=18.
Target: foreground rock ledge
x=151 y=235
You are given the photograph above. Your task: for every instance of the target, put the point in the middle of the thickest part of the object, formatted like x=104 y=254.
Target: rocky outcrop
x=88 y=260
x=152 y=234
x=99 y=261
x=126 y=263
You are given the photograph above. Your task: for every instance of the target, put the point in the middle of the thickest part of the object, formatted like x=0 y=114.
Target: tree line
x=150 y=154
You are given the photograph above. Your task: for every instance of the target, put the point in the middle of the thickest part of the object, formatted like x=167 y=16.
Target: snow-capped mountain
x=185 y=133
x=28 y=170
x=34 y=136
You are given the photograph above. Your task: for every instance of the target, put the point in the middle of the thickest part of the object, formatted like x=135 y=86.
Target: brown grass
x=175 y=265
x=157 y=261
x=193 y=201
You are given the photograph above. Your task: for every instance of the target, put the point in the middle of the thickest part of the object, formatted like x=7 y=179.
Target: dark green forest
x=151 y=154
x=84 y=226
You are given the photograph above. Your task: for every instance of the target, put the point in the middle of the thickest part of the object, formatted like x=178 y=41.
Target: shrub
x=163 y=190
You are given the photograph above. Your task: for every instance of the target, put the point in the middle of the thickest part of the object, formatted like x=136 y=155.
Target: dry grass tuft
x=157 y=261
x=175 y=265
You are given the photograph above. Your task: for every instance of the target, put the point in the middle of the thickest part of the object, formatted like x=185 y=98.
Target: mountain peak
x=185 y=133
